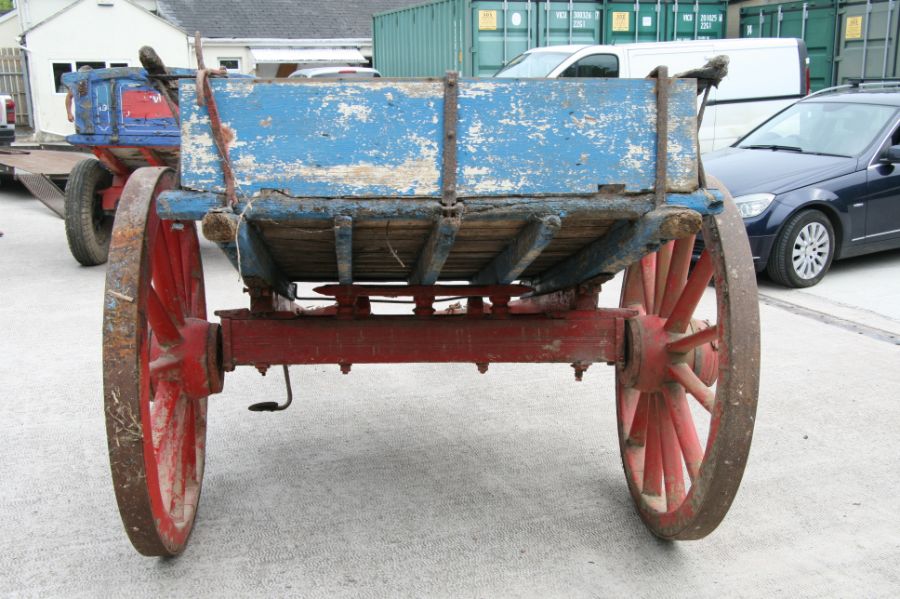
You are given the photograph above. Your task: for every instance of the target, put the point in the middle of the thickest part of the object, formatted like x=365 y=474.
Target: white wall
x=32 y=12
x=92 y=32
x=9 y=30
x=212 y=53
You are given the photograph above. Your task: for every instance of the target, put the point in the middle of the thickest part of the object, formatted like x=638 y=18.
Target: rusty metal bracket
x=451 y=119
x=662 y=134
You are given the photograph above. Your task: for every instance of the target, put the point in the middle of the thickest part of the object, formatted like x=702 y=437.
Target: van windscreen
x=532 y=64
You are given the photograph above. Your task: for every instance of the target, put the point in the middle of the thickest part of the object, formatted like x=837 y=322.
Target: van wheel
x=88 y=228
x=803 y=250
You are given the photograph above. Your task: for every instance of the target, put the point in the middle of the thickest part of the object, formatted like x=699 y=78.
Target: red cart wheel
x=160 y=360
x=686 y=394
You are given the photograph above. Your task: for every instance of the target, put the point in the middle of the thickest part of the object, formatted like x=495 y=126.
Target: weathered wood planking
x=384 y=138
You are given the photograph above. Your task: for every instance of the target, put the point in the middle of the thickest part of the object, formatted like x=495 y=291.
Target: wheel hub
x=648 y=358
x=195 y=362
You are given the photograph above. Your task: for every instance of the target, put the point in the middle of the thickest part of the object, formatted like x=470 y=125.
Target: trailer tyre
x=88 y=227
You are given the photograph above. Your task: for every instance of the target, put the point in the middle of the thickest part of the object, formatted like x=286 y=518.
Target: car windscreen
x=834 y=128
x=532 y=64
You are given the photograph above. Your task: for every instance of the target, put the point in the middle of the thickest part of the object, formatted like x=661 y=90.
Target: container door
x=868 y=40
x=502 y=31
x=695 y=20
x=813 y=22
x=633 y=22
x=562 y=23
x=757 y=22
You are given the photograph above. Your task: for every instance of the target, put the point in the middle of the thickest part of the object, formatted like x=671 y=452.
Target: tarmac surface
x=436 y=481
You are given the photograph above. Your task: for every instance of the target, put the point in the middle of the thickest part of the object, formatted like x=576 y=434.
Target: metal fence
x=12 y=82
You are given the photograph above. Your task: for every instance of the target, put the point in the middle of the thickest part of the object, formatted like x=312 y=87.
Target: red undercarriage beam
x=582 y=336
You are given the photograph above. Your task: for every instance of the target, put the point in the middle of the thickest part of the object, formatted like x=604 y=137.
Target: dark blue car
x=818 y=181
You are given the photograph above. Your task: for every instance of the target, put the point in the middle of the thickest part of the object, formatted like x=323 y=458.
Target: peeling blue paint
x=384 y=139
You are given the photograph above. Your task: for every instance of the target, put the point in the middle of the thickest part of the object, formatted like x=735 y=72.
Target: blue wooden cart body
x=553 y=181
x=102 y=112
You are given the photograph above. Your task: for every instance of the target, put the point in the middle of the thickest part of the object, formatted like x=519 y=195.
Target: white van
x=764 y=75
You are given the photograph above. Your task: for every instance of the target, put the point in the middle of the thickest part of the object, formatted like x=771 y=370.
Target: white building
x=267 y=38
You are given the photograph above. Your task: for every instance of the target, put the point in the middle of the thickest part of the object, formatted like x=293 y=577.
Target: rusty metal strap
x=662 y=134
x=451 y=118
x=205 y=97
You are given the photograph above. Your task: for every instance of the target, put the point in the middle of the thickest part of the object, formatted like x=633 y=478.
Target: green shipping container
x=629 y=22
x=867 y=40
x=476 y=37
x=812 y=21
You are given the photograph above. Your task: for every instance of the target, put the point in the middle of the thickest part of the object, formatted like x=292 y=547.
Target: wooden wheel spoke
x=162 y=410
x=161 y=322
x=162 y=366
x=637 y=432
x=671 y=458
x=164 y=279
x=629 y=404
x=679 y=265
x=170 y=458
x=653 y=466
x=695 y=340
x=193 y=277
x=680 y=317
x=663 y=259
x=682 y=373
x=683 y=423
x=648 y=280
x=633 y=290
x=173 y=251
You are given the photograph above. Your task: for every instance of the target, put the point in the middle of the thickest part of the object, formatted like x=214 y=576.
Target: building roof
x=277 y=19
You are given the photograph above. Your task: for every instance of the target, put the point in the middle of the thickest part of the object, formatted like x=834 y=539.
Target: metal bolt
x=262 y=368
x=345 y=367
x=580 y=367
x=482 y=366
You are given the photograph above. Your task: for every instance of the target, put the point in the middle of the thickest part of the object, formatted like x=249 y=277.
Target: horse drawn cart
x=520 y=198
x=127 y=119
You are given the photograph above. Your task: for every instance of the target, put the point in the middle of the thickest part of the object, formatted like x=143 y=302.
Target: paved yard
x=436 y=481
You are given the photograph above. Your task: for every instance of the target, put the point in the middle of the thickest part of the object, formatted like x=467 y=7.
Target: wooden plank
x=507 y=266
x=252 y=259
x=343 y=243
x=345 y=138
x=434 y=254
x=625 y=244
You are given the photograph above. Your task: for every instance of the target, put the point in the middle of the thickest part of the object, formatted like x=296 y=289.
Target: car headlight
x=753 y=204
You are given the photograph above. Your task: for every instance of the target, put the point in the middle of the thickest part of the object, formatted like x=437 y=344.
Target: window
x=595 y=65
x=232 y=64
x=61 y=68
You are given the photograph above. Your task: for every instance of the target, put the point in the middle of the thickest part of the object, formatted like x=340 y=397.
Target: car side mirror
x=892 y=155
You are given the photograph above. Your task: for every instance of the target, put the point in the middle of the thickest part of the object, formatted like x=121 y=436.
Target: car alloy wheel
x=812 y=250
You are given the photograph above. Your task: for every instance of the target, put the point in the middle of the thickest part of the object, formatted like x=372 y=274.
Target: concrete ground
x=435 y=481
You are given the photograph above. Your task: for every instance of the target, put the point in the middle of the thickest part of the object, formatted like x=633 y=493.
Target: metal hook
x=272 y=406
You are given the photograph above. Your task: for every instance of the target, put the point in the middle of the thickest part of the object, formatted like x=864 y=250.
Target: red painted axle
x=581 y=336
